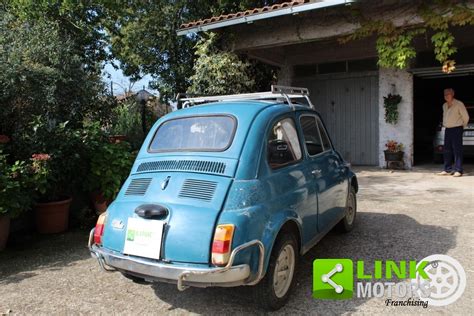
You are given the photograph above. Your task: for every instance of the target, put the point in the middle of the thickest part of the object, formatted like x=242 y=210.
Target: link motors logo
x=447 y=280
x=437 y=280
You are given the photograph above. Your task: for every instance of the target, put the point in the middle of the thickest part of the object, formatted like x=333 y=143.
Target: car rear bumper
x=181 y=274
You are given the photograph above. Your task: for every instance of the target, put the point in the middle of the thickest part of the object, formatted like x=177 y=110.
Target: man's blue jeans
x=453 y=148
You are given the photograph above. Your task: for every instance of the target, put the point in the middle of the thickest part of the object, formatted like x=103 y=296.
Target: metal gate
x=348 y=104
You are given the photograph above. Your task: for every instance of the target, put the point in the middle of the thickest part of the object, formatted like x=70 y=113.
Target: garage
x=429 y=84
x=348 y=104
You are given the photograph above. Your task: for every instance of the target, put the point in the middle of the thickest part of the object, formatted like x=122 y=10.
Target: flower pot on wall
x=52 y=217
x=393 y=156
x=4 y=231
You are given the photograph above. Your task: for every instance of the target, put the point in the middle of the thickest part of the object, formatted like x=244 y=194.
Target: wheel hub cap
x=284 y=269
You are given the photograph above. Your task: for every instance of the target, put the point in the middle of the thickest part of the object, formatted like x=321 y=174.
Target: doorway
x=428 y=112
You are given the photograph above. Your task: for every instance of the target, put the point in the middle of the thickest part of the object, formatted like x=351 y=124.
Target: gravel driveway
x=402 y=215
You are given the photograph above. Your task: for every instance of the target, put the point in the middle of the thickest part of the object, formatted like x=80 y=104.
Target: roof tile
x=249 y=12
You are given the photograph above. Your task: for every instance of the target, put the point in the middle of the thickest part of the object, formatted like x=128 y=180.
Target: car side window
x=324 y=136
x=283 y=147
x=311 y=135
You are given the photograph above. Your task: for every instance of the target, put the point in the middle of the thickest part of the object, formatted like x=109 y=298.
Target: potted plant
x=13 y=198
x=52 y=204
x=394 y=151
x=391 y=103
x=110 y=166
x=57 y=168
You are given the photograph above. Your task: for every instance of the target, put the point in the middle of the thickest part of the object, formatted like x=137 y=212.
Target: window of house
x=283 y=147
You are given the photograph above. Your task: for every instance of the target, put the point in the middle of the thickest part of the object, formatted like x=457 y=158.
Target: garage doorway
x=428 y=112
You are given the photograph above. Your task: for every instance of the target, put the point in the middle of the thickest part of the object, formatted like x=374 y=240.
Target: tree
x=42 y=72
x=144 y=39
x=217 y=72
x=81 y=22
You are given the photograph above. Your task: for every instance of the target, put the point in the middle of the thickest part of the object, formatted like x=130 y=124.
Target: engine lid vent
x=138 y=186
x=198 y=189
x=183 y=165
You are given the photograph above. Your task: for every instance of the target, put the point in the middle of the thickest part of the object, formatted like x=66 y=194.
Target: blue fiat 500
x=228 y=193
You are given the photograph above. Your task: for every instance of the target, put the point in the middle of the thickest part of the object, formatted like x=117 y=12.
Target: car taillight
x=99 y=229
x=221 y=245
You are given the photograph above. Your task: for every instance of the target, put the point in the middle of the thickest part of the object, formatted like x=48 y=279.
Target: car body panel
x=246 y=191
x=190 y=222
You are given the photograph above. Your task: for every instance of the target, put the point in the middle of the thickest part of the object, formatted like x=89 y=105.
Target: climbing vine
x=396 y=51
x=395 y=45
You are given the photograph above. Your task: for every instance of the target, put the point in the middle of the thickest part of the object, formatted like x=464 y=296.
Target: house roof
x=248 y=16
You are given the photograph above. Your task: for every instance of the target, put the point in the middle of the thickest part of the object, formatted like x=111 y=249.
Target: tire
x=347 y=223
x=135 y=279
x=273 y=294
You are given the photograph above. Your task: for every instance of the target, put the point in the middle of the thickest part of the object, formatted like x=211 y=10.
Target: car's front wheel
x=275 y=288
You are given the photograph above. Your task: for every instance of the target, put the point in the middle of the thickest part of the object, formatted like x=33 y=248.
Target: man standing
x=455 y=119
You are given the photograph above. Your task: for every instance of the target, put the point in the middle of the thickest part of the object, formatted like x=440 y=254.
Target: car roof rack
x=283 y=93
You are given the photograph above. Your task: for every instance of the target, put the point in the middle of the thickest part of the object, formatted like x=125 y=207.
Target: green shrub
x=110 y=166
x=14 y=195
x=127 y=120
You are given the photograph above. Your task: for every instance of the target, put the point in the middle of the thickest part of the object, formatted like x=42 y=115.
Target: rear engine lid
x=193 y=200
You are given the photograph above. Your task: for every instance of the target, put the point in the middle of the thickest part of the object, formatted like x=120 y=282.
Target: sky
x=121 y=83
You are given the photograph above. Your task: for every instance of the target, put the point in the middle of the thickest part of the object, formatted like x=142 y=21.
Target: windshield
x=197 y=133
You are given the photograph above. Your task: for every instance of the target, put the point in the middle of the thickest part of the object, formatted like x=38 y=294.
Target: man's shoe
x=457 y=174
x=444 y=173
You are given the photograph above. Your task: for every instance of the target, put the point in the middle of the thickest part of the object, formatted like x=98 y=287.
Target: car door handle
x=316 y=172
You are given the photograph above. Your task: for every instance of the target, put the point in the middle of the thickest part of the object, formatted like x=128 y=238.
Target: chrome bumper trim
x=184 y=276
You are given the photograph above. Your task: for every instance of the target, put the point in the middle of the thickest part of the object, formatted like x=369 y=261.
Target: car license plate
x=469 y=133
x=143 y=238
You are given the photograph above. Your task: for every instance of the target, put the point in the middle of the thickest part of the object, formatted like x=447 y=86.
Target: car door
x=289 y=179
x=326 y=169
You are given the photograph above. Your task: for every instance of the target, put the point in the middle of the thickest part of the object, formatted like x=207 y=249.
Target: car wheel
x=347 y=223
x=274 y=289
x=135 y=279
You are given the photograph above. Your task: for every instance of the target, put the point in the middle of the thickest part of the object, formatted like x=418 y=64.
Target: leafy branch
x=395 y=45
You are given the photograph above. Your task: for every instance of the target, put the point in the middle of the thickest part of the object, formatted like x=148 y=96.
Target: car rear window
x=197 y=133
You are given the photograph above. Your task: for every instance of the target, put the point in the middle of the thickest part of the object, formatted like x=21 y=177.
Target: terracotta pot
x=99 y=202
x=4 y=231
x=52 y=217
x=115 y=139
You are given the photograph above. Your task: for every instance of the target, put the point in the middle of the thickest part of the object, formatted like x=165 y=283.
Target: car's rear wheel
x=274 y=289
x=347 y=223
